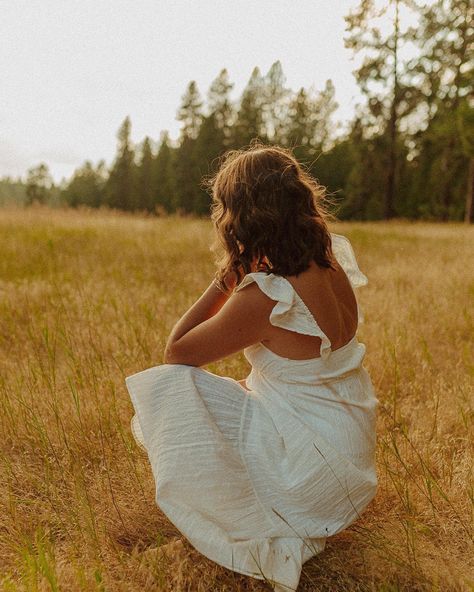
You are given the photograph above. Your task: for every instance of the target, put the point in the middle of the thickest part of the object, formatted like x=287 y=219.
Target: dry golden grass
x=88 y=298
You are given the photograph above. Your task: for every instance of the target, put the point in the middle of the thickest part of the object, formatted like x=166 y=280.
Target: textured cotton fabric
x=257 y=480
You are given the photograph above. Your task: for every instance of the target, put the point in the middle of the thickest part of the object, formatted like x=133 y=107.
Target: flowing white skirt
x=193 y=425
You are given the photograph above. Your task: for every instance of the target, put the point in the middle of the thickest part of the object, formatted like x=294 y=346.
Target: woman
x=257 y=473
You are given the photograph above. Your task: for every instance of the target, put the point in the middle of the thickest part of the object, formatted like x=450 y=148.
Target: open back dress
x=257 y=480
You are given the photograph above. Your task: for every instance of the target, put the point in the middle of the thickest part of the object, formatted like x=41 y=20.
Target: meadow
x=88 y=298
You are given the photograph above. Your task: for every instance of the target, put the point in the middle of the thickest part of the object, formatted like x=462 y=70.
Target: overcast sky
x=71 y=70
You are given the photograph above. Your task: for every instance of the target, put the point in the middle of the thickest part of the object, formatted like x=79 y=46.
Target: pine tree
x=300 y=125
x=163 y=176
x=221 y=107
x=39 y=184
x=145 y=186
x=86 y=186
x=120 y=187
x=186 y=172
x=446 y=82
x=380 y=79
x=190 y=112
x=249 y=123
x=208 y=148
x=323 y=106
x=214 y=136
x=310 y=127
x=364 y=192
x=274 y=104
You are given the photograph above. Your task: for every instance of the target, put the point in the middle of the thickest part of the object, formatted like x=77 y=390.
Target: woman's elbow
x=172 y=355
x=169 y=355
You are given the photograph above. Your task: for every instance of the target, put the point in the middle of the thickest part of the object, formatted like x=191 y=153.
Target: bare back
x=329 y=297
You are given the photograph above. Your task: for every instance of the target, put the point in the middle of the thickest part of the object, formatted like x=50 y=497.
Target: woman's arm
x=204 y=308
x=218 y=325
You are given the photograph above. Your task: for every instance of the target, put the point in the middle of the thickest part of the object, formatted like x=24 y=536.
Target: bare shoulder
x=242 y=321
x=251 y=298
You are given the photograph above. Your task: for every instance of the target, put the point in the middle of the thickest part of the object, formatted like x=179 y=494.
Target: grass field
x=87 y=299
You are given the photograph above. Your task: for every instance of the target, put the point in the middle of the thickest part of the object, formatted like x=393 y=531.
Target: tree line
x=408 y=152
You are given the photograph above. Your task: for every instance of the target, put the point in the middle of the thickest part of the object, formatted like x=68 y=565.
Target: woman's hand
x=218 y=325
x=230 y=280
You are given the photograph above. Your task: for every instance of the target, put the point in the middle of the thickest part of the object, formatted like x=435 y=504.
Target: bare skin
x=218 y=325
x=243 y=384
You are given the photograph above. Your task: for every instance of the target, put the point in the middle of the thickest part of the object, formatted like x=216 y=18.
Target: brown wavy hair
x=267 y=208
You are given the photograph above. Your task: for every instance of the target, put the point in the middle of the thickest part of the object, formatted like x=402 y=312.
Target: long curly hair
x=269 y=211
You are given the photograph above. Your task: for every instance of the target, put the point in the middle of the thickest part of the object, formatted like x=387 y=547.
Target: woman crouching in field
x=258 y=473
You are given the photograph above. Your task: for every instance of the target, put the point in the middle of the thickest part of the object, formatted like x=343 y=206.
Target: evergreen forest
x=407 y=153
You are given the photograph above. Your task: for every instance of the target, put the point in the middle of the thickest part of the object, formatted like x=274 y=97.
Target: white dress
x=257 y=480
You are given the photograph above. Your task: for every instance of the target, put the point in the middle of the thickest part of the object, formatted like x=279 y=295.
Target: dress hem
x=241 y=571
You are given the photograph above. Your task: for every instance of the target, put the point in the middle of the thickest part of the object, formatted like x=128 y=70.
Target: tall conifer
x=145 y=185
x=164 y=195
x=249 y=123
x=275 y=103
x=186 y=171
x=221 y=106
x=120 y=188
x=380 y=78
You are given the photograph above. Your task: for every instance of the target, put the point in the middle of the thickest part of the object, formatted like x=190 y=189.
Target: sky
x=72 y=70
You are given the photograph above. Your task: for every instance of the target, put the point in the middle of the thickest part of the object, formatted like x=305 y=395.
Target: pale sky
x=72 y=70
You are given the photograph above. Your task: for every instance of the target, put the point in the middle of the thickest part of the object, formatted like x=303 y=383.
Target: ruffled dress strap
x=344 y=253
x=290 y=312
